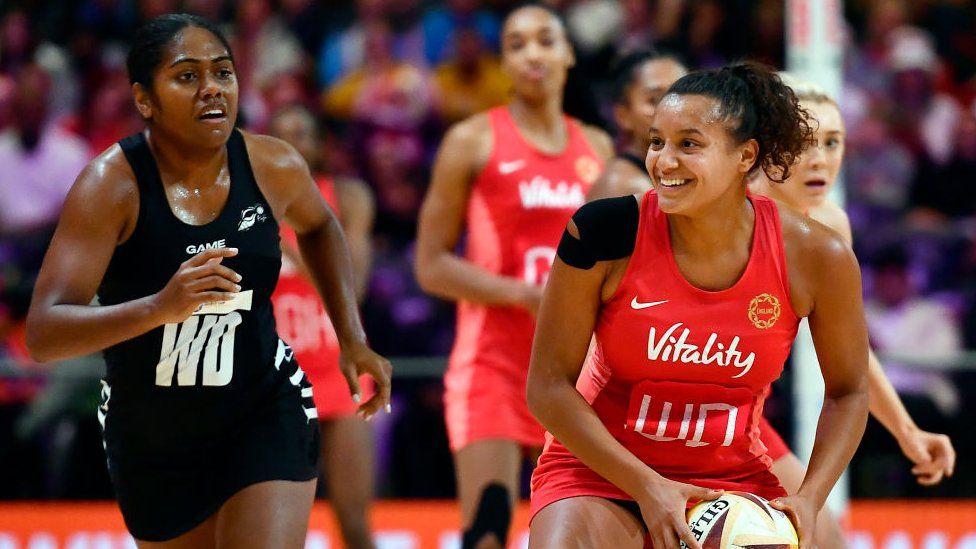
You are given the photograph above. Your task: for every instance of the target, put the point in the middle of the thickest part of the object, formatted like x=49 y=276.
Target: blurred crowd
x=387 y=77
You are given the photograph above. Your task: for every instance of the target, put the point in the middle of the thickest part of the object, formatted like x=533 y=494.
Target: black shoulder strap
x=136 y=150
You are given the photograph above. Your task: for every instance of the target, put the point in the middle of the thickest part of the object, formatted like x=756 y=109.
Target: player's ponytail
x=757 y=105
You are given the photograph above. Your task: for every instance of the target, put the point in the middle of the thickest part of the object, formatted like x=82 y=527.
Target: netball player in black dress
x=209 y=427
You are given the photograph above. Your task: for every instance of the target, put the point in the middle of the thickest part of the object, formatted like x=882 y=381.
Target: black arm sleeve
x=607 y=229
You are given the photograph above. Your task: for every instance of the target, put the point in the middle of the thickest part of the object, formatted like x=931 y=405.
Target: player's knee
x=492 y=517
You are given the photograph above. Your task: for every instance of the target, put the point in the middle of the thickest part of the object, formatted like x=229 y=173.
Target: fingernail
x=233 y=250
x=389 y=408
x=356 y=398
x=237 y=287
x=239 y=277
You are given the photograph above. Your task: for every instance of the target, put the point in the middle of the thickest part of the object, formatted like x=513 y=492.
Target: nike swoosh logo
x=506 y=168
x=638 y=305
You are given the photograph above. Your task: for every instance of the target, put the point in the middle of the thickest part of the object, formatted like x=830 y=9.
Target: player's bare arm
x=463 y=154
x=285 y=180
x=99 y=214
x=831 y=299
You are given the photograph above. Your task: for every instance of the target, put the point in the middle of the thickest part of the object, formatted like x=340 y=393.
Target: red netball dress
x=302 y=322
x=679 y=374
x=518 y=207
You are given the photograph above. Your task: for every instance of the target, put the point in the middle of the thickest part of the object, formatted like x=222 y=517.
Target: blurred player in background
x=805 y=191
x=509 y=178
x=302 y=321
x=694 y=292
x=640 y=80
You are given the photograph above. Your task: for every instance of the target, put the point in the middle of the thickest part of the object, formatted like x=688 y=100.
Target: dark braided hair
x=152 y=38
x=757 y=105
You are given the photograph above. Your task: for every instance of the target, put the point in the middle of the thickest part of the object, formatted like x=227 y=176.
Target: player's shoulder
x=620 y=177
x=108 y=177
x=472 y=130
x=598 y=139
x=810 y=241
x=832 y=215
x=272 y=155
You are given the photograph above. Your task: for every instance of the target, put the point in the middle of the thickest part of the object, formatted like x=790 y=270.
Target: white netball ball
x=739 y=520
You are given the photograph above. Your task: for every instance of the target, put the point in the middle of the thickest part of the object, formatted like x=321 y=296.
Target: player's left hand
x=803 y=512
x=931 y=453
x=358 y=359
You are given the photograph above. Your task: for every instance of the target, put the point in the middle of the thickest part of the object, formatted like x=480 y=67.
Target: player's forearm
x=563 y=412
x=885 y=404
x=58 y=332
x=326 y=256
x=839 y=431
x=450 y=277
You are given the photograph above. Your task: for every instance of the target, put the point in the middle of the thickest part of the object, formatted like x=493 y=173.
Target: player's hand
x=931 y=453
x=359 y=359
x=200 y=279
x=663 y=509
x=803 y=513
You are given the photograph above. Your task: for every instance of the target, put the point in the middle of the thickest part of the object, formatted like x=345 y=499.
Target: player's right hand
x=200 y=279
x=663 y=509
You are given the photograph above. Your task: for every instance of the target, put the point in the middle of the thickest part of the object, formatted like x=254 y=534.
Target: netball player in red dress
x=347 y=446
x=805 y=191
x=694 y=295
x=509 y=178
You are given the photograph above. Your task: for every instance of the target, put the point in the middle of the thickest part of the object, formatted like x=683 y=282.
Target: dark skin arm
x=831 y=300
x=357 y=213
x=439 y=270
x=566 y=320
x=99 y=213
x=285 y=180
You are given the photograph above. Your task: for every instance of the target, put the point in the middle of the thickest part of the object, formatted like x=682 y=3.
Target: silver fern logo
x=250 y=216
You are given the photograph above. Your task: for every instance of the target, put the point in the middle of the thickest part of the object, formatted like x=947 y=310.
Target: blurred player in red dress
x=508 y=178
x=694 y=293
x=303 y=322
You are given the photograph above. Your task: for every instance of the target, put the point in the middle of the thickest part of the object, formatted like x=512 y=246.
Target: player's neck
x=715 y=228
x=544 y=116
x=181 y=164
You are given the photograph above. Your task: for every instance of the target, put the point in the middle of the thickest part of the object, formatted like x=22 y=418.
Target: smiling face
x=816 y=170
x=535 y=53
x=194 y=91
x=693 y=159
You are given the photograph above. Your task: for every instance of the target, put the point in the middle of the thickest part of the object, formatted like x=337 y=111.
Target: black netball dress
x=194 y=412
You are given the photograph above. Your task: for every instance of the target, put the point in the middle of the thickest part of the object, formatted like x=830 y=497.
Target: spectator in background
x=473 y=81
x=346 y=51
x=922 y=117
x=391 y=107
x=16 y=42
x=264 y=49
x=38 y=163
x=443 y=25
x=902 y=321
x=946 y=191
x=879 y=173
x=109 y=115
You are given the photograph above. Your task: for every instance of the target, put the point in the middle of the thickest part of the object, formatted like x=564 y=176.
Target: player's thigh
x=583 y=522
x=200 y=537
x=347 y=459
x=790 y=472
x=492 y=461
x=266 y=514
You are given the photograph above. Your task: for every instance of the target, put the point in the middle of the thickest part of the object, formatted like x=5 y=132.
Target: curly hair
x=756 y=104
